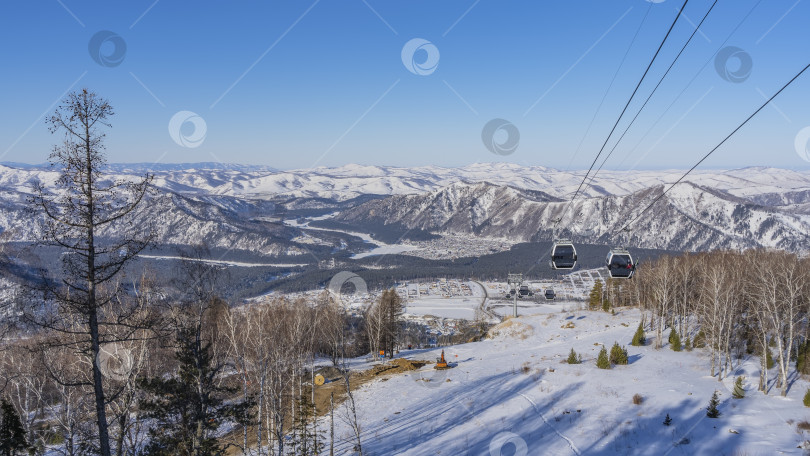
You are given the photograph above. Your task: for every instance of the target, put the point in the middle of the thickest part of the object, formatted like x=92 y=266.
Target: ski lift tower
x=514 y=281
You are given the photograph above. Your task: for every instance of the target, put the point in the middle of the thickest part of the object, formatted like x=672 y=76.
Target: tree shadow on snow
x=690 y=432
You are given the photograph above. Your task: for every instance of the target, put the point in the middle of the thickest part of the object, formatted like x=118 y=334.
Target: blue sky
x=292 y=84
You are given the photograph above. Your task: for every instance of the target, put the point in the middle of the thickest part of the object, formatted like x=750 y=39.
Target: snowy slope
x=513 y=395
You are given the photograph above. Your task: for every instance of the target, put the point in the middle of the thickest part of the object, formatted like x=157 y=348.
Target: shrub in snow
x=618 y=355
x=667 y=420
x=738 y=392
x=674 y=341
x=603 y=362
x=688 y=344
x=638 y=399
x=806 y=399
x=639 y=338
x=700 y=340
x=769 y=359
x=803 y=358
x=12 y=433
x=574 y=358
x=711 y=410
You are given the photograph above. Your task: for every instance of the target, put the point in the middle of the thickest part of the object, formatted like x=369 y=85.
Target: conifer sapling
x=739 y=391
x=603 y=362
x=711 y=410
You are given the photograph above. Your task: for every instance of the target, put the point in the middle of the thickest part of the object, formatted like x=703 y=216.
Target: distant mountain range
x=239 y=206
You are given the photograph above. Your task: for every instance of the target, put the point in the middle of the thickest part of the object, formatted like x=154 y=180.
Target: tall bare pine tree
x=87 y=218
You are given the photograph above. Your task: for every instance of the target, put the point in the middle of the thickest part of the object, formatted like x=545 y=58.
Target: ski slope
x=514 y=395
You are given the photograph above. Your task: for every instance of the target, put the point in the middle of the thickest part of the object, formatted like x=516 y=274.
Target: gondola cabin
x=620 y=264
x=563 y=254
x=550 y=294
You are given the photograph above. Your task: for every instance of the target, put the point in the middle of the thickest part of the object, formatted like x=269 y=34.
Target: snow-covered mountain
x=225 y=204
x=350 y=181
x=690 y=217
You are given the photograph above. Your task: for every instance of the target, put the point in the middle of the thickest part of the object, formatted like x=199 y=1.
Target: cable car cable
x=689 y=84
x=652 y=93
x=627 y=225
x=610 y=86
x=680 y=11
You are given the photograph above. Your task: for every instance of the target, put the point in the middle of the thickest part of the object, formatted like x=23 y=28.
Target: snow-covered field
x=461 y=300
x=514 y=395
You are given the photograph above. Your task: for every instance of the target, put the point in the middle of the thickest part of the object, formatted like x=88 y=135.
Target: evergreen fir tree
x=806 y=400
x=188 y=407
x=12 y=434
x=595 y=297
x=305 y=440
x=574 y=358
x=711 y=410
x=618 y=354
x=603 y=362
x=769 y=359
x=739 y=391
x=667 y=420
x=688 y=345
x=700 y=340
x=639 y=338
x=674 y=340
x=802 y=358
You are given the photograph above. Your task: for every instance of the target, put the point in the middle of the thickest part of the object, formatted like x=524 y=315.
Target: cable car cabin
x=620 y=264
x=550 y=294
x=563 y=254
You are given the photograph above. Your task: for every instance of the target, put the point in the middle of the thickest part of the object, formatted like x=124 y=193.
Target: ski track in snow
x=562 y=436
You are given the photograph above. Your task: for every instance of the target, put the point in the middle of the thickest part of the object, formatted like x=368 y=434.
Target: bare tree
x=87 y=217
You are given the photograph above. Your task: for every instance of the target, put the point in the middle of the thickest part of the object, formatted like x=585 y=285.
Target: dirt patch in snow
x=512 y=328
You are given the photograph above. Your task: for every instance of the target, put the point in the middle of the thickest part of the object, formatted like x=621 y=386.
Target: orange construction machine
x=441 y=363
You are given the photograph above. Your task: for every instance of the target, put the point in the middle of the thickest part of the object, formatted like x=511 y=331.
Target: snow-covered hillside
x=223 y=204
x=514 y=394
x=690 y=217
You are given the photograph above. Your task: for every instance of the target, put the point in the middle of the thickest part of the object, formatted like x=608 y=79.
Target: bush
x=639 y=338
x=574 y=358
x=802 y=358
x=674 y=340
x=806 y=399
x=638 y=399
x=618 y=355
x=688 y=344
x=603 y=362
x=711 y=410
x=769 y=362
x=667 y=420
x=739 y=391
x=12 y=433
x=700 y=340
x=595 y=297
